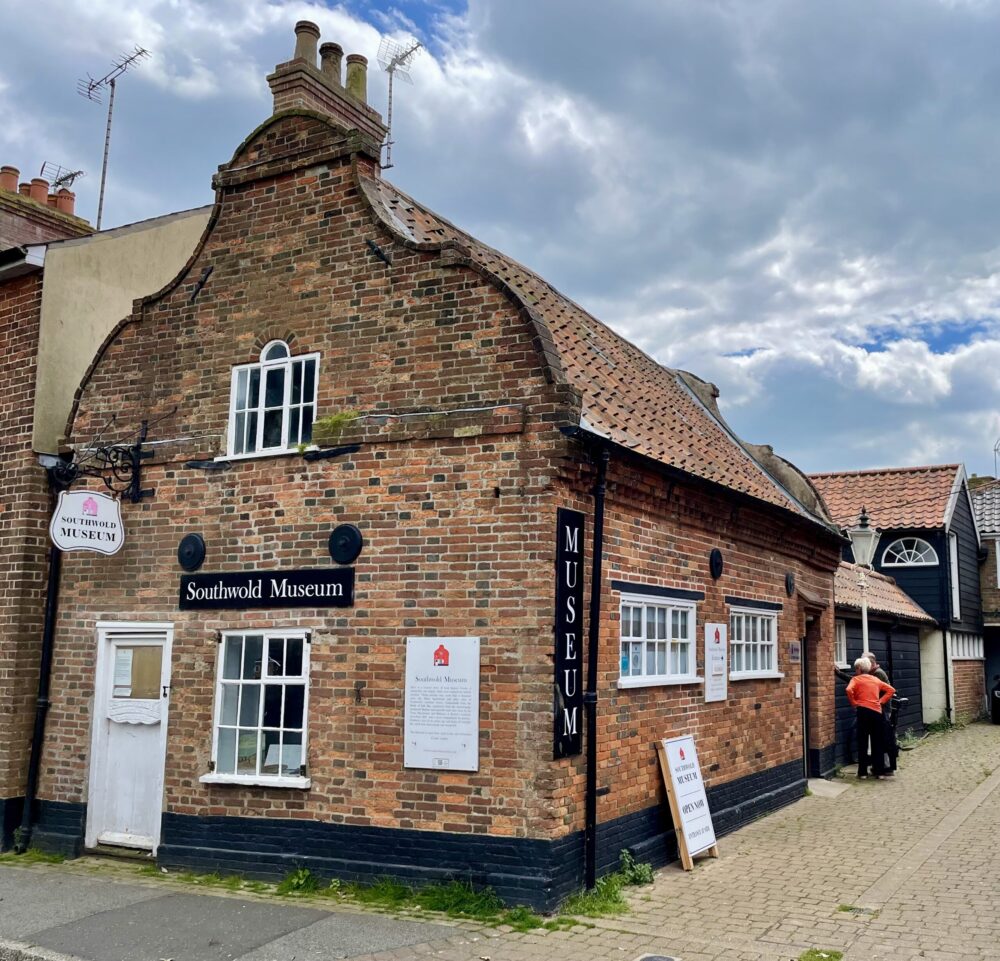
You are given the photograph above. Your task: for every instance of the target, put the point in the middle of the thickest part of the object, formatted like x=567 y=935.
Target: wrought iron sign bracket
x=119 y=467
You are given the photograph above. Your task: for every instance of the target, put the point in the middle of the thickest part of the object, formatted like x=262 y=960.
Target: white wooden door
x=129 y=741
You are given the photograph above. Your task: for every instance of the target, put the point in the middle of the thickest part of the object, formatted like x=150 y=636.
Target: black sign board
x=320 y=587
x=568 y=693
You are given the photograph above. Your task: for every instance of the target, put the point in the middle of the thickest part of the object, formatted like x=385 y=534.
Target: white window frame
x=840 y=643
x=264 y=366
x=956 y=587
x=916 y=541
x=651 y=602
x=765 y=616
x=260 y=780
x=996 y=557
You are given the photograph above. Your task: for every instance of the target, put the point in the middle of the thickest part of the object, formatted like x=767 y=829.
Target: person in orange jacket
x=867 y=694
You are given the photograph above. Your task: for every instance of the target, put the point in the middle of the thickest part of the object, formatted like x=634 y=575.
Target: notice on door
x=688 y=801
x=716 y=662
x=441 y=708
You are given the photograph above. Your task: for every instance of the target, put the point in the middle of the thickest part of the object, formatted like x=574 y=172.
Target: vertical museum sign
x=568 y=693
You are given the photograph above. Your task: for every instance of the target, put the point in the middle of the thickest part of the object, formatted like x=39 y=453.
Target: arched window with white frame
x=909 y=552
x=273 y=402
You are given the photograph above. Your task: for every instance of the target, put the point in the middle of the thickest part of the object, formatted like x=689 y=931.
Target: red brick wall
x=23 y=538
x=662 y=534
x=988 y=582
x=455 y=509
x=969 y=678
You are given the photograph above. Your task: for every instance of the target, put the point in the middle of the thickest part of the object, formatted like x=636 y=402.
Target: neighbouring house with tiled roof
x=408 y=504
x=897 y=626
x=930 y=547
x=986 y=501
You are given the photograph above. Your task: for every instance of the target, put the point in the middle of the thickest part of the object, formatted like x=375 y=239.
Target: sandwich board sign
x=87 y=521
x=688 y=802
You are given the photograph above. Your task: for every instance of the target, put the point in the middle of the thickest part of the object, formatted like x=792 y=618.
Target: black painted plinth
x=10 y=819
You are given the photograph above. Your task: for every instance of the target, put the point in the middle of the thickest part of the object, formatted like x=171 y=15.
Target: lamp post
x=864 y=540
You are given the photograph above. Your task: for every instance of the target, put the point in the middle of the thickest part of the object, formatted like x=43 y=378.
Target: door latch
x=166 y=689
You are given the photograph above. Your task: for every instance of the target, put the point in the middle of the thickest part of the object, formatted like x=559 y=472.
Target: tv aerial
x=59 y=176
x=395 y=58
x=93 y=90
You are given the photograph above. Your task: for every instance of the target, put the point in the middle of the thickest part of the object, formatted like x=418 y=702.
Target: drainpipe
x=23 y=841
x=946 y=635
x=590 y=695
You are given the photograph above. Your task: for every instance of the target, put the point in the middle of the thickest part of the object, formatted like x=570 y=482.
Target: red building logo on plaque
x=441 y=656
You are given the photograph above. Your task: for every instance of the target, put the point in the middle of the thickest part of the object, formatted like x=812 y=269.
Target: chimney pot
x=24 y=189
x=331 y=55
x=65 y=201
x=306 y=39
x=39 y=190
x=50 y=201
x=8 y=179
x=357 y=76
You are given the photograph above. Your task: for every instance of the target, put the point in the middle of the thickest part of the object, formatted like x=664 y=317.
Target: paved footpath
x=805 y=877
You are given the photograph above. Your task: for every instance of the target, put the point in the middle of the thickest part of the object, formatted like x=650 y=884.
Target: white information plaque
x=441 y=709
x=716 y=662
x=87 y=521
x=686 y=793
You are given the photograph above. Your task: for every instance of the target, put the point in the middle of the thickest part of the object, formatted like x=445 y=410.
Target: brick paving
x=926 y=888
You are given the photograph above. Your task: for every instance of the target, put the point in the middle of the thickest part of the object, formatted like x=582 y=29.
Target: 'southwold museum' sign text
x=321 y=587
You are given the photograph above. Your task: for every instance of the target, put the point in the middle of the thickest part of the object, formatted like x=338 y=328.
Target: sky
x=797 y=201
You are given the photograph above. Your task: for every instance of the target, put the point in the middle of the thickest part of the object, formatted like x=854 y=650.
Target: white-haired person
x=867 y=694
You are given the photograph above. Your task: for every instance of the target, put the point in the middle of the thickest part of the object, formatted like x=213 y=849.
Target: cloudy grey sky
x=796 y=200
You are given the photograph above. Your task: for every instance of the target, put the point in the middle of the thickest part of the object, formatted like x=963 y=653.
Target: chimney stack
x=8 y=179
x=299 y=84
x=306 y=39
x=357 y=77
x=331 y=55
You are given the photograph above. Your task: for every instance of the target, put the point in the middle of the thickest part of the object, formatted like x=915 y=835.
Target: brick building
x=336 y=358
x=986 y=501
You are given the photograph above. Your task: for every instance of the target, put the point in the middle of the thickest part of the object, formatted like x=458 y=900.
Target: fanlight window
x=273 y=402
x=909 y=552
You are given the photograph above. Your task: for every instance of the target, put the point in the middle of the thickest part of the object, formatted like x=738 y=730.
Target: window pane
x=246 y=753
x=293 y=426
x=240 y=434
x=249 y=705
x=307 y=424
x=271 y=753
x=272 y=428
x=297 y=382
x=241 y=390
x=272 y=705
x=276 y=657
x=736 y=626
x=231 y=660
x=252 y=656
x=293 y=657
x=291 y=755
x=635 y=658
x=661 y=623
x=251 y=444
x=661 y=658
x=309 y=390
x=683 y=620
x=225 y=762
x=754 y=657
x=636 y=622
x=682 y=662
x=650 y=659
x=624 y=659
x=254 y=399
x=650 y=622
x=274 y=392
x=737 y=657
x=276 y=352
x=230 y=698
x=294 y=700
x=626 y=621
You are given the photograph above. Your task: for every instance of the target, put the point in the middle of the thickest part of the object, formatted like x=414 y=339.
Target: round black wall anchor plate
x=191 y=552
x=789 y=583
x=715 y=563
x=345 y=543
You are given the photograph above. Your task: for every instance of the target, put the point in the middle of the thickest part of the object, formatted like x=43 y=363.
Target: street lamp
x=864 y=540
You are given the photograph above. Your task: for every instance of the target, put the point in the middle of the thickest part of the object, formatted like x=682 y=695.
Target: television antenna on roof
x=59 y=176
x=395 y=58
x=92 y=89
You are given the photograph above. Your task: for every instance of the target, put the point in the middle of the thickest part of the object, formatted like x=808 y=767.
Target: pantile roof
x=898 y=497
x=626 y=396
x=986 y=503
x=884 y=596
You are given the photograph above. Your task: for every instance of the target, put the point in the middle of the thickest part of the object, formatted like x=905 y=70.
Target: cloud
x=795 y=200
